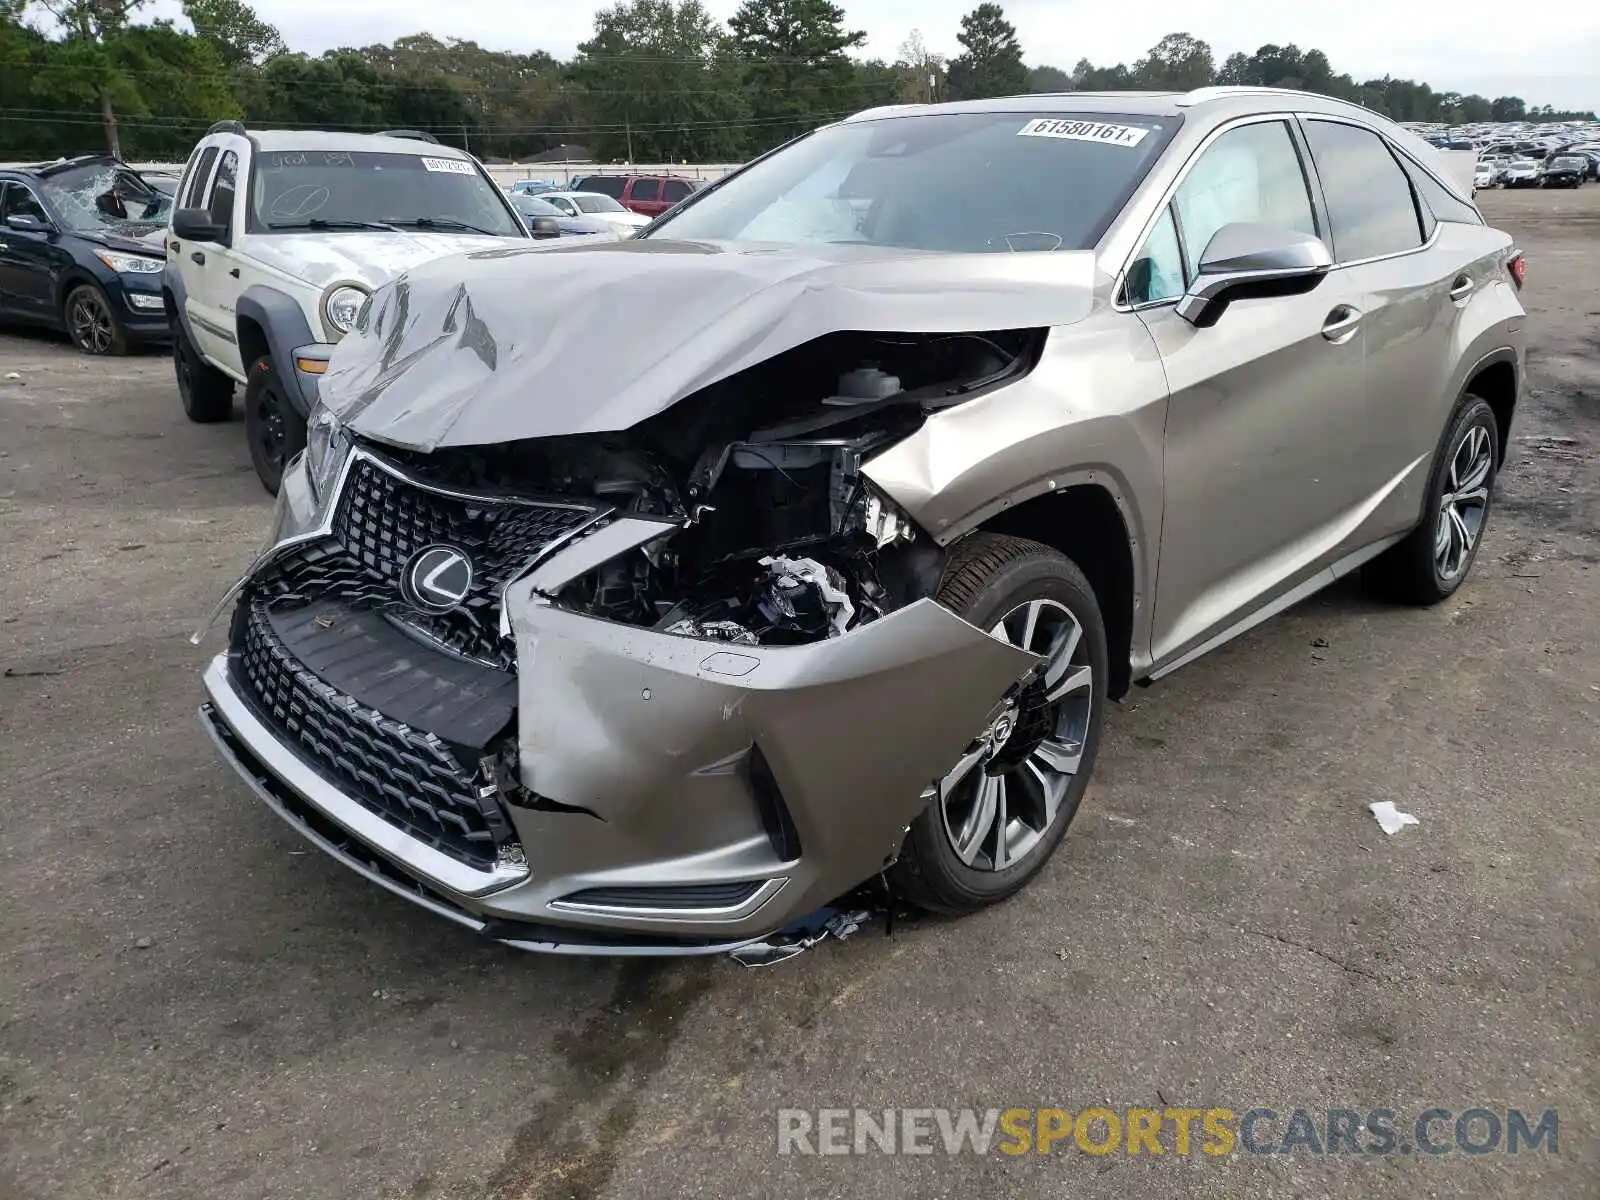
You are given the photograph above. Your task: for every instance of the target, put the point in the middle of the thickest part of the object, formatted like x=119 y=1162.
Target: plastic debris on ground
x=1390 y=819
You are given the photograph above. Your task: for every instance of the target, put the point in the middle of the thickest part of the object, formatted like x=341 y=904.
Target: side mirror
x=1244 y=261
x=545 y=227
x=26 y=223
x=196 y=225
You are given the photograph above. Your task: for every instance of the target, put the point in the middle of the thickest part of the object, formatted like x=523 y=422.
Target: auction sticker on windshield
x=451 y=166
x=1084 y=131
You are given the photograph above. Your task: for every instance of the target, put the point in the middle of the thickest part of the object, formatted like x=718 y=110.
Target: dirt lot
x=194 y=1005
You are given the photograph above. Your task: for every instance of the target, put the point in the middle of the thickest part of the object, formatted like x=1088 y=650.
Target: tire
x=275 y=431
x=1425 y=568
x=947 y=863
x=207 y=393
x=90 y=323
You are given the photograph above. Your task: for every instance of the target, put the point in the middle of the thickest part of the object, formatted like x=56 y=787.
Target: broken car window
x=107 y=198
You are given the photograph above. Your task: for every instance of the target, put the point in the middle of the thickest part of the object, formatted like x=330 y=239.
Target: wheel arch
x=270 y=322
x=1085 y=523
x=1494 y=379
x=73 y=277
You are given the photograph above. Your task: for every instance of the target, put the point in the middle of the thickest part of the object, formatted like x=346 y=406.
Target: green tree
x=795 y=68
x=1177 y=63
x=86 y=65
x=1049 y=79
x=659 y=82
x=990 y=63
x=237 y=36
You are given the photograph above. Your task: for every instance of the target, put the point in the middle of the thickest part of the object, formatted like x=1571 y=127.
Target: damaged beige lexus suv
x=645 y=598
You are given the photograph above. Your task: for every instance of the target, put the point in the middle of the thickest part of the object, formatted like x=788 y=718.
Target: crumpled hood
x=539 y=341
x=370 y=257
x=154 y=241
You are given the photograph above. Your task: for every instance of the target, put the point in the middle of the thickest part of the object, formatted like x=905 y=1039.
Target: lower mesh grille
x=409 y=777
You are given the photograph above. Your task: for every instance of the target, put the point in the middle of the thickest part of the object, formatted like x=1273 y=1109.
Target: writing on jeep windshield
x=340 y=189
x=972 y=182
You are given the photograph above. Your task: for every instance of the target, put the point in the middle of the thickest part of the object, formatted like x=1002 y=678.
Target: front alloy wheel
x=90 y=324
x=1003 y=795
x=996 y=818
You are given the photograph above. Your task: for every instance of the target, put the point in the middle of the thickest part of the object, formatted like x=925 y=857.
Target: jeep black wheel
x=276 y=432
x=207 y=393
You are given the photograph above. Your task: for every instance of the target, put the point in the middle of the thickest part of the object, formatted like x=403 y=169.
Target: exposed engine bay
x=781 y=539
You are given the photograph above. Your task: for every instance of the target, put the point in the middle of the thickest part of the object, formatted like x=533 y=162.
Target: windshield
x=594 y=204
x=532 y=206
x=1569 y=162
x=303 y=189
x=965 y=182
x=107 y=198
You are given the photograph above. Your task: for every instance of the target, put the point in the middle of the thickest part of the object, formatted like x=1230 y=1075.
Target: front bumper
x=681 y=796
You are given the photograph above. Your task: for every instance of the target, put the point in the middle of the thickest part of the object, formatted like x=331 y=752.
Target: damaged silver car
x=646 y=597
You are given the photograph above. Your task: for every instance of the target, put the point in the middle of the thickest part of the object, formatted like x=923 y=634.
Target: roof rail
x=227 y=127
x=1223 y=91
x=414 y=134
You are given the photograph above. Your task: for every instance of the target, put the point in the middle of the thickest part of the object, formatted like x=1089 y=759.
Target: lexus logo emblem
x=437 y=578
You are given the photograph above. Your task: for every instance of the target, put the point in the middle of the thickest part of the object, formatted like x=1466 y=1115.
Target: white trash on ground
x=1390 y=819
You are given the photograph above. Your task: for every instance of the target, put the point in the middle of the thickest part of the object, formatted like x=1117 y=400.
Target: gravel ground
x=1225 y=926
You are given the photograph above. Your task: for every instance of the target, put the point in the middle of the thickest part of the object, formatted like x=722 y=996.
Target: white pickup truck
x=277 y=239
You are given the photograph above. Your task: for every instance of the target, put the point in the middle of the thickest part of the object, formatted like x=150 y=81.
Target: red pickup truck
x=650 y=195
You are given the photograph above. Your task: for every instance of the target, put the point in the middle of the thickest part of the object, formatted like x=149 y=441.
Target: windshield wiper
x=319 y=223
x=444 y=223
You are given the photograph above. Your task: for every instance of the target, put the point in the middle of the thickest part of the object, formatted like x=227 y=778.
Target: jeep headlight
x=340 y=308
x=327 y=444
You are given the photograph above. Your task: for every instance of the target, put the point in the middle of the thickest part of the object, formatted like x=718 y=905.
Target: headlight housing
x=131 y=264
x=327 y=444
x=341 y=305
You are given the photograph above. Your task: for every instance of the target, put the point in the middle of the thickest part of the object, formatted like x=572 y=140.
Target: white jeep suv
x=277 y=239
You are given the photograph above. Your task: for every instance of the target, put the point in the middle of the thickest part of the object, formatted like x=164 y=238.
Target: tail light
x=1518 y=266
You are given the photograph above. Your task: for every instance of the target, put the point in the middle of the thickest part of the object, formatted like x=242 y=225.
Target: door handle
x=1461 y=288
x=1341 y=324
x=197 y=257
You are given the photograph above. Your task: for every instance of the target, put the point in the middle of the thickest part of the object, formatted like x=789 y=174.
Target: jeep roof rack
x=226 y=127
x=414 y=134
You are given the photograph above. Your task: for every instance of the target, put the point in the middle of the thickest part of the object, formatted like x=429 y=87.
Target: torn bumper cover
x=673 y=794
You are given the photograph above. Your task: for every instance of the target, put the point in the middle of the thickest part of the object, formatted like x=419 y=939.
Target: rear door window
x=194 y=188
x=674 y=190
x=646 y=189
x=606 y=185
x=1370 y=203
x=222 y=190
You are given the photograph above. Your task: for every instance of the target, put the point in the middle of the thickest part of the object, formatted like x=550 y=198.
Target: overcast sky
x=1545 y=54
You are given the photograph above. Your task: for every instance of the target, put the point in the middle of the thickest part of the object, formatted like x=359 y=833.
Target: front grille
x=382 y=521
x=407 y=776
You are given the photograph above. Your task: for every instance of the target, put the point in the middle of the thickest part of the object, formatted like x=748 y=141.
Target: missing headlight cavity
x=784 y=541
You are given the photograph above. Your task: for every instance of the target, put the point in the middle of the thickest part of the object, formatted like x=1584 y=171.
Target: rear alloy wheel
x=1429 y=564
x=276 y=432
x=90 y=324
x=207 y=393
x=1005 y=804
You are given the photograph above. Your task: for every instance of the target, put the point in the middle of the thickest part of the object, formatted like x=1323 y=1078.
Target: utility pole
x=627 y=126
